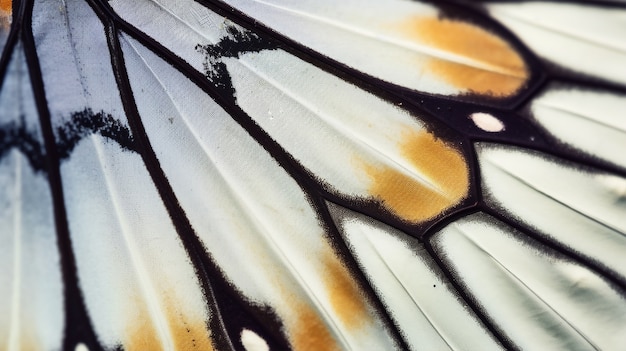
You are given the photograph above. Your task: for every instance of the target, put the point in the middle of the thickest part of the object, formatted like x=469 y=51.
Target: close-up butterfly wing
x=311 y=175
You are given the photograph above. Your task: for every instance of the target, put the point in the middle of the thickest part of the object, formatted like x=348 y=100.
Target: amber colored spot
x=411 y=199
x=142 y=335
x=503 y=71
x=310 y=333
x=6 y=6
x=191 y=336
x=345 y=296
x=185 y=335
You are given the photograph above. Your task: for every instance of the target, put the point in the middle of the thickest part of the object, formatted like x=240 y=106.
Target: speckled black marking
x=239 y=41
x=82 y=124
x=85 y=123
x=16 y=135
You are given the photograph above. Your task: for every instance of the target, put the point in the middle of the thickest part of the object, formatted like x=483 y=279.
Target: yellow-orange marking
x=141 y=332
x=504 y=73
x=345 y=296
x=6 y=10
x=6 y=6
x=310 y=333
x=186 y=334
x=410 y=199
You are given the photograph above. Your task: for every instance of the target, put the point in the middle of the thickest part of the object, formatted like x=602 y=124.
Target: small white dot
x=252 y=341
x=81 y=347
x=487 y=122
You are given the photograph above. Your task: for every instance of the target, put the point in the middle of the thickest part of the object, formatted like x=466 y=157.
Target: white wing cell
x=31 y=302
x=538 y=190
x=592 y=121
x=535 y=296
x=583 y=38
x=423 y=304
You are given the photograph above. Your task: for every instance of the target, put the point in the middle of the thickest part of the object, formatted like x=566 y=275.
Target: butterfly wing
x=254 y=175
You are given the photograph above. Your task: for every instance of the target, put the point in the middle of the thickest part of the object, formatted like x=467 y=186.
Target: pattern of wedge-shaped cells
x=146 y=296
x=251 y=217
x=579 y=208
x=412 y=287
x=582 y=38
x=538 y=298
x=394 y=167
x=402 y=42
x=367 y=148
x=589 y=120
x=227 y=174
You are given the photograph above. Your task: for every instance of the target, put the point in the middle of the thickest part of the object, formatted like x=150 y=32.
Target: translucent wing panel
x=419 y=297
x=31 y=305
x=538 y=298
x=589 y=220
x=589 y=120
x=583 y=38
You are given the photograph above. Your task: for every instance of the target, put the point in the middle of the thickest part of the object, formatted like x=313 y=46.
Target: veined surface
x=311 y=175
x=399 y=42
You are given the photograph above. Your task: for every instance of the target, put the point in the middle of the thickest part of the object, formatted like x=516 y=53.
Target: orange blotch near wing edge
x=345 y=296
x=6 y=9
x=310 y=333
x=411 y=199
x=185 y=334
x=6 y=6
x=142 y=335
x=494 y=68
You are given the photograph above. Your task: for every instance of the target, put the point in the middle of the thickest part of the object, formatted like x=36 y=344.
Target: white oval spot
x=81 y=347
x=487 y=122
x=252 y=341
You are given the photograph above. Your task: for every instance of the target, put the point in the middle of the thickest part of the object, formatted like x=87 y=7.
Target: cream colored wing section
x=580 y=37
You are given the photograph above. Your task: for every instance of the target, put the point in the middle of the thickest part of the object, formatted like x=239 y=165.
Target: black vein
x=78 y=327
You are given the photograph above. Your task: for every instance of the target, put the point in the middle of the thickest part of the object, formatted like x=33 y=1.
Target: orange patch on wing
x=345 y=296
x=185 y=334
x=6 y=6
x=407 y=197
x=6 y=9
x=142 y=334
x=191 y=335
x=310 y=333
x=499 y=69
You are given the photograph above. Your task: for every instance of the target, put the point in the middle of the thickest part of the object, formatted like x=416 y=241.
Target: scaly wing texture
x=311 y=175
